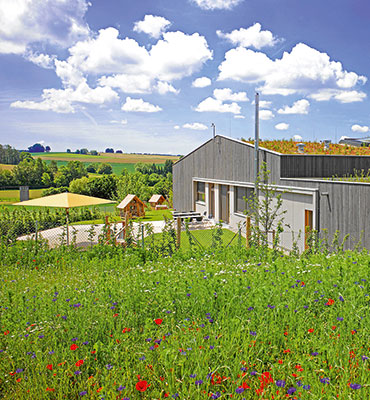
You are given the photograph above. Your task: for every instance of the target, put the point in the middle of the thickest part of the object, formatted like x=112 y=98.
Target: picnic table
x=192 y=215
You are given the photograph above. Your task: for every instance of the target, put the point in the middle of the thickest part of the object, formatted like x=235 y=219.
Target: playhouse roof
x=127 y=200
x=155 y=198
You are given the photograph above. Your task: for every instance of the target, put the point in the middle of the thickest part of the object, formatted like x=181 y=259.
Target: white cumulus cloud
x=359 y=128
x=201 y=82
x=196 y=126
x=282 y=126
x=217 y=4
x=226 y=94
x=152 y=25
x=266 y=114
x=250 y=37
x=304 y=70
x=214 y=105
x=139 y=105
x=239 y=117
x=40 y=59
x=63 y=100
x=177 y=127
x=298 y=107
x=165 y=87
x=24 y=22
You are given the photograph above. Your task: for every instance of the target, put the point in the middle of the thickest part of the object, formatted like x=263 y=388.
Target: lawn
x=105 y=324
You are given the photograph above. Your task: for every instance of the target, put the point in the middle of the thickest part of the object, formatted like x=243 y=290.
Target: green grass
x=197 y=326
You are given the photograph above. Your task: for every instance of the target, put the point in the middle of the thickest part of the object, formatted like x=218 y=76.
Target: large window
x=201 y=191
x=241 y=194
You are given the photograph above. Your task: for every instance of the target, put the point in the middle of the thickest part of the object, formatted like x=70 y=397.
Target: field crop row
x=208 y=326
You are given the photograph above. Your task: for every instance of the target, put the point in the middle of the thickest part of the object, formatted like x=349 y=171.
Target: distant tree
x=109 y=150
x=104 y=187
x=36 y=148
x=53 y=190
x=84 y=151
x=46 y=179
x=47 y=149
x=9 y=155
x=77 y=151
x=6 y=178
x=104 y=169
x=80 y=186
x=119 y=151
x=25 y=156
x=68 y=150
x=93 y=152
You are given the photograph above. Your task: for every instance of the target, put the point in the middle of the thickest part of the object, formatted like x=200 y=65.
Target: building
x=156 y=200
x=132 y=206
x=214 y=179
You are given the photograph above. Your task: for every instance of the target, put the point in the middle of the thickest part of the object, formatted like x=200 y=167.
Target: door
x=308 y=226
x=224 y=203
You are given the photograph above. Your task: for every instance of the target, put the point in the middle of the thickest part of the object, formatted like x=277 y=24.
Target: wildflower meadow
x=232 y=323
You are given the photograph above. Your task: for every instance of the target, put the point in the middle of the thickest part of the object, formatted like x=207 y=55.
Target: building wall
x=220 y=158
x=342 y=206
x=321 y=166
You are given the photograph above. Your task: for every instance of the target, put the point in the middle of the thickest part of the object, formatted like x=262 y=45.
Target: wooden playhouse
x=157 y=200
x=132 y=206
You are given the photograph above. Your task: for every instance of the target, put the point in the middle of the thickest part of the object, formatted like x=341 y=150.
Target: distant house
x=358 y=142
x=217 y=177
x=156 y=200
x=132 y=206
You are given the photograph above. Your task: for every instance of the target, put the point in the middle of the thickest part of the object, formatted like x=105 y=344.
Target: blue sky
x=151 y=76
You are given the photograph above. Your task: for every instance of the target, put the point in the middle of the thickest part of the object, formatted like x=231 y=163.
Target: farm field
x=234 y=323
x=106 y=158
x=12 y=196
x=8 y=167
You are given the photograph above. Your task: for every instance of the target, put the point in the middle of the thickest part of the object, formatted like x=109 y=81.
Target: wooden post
x=248 y=232
x=126 y=224
x=67 y=224
x=107 y=226
x=178 y=231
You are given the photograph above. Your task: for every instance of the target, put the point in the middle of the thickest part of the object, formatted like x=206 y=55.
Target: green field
x=12 y=196
x=108 y=324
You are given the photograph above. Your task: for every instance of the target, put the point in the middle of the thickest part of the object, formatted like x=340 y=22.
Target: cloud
x=251 y=37
x=25 y=22
x=227 y=95
x=359 y=128
x=266 y=114
x=139 y=105
x=239 y=117
x=217 y=4
x=201 y=82
x=299 y=107
x=304 y=70
x=164 y=88
x=213 y=105
x=177 y=127
x=63 y=100
x=40 y=59
x=196 y=126
x=152 y=25
x=282 y=126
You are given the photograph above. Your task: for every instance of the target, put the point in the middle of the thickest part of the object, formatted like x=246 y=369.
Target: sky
x=153 y=75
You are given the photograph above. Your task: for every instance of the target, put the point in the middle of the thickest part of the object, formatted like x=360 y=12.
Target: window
x=242 y=193
x=201 y=191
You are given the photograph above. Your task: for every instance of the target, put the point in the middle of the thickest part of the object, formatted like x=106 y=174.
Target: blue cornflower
x=339 y=319
x=142 y=358
x=291 y=390
x=83 y=393
x=253 y=373
x=85 y=343
x=280 y=383
x=355 y=386
x=41 y=336
x=108 y=366
x=364 y=358
x=211 y=347
x=198 y=383
x=250 y=308
x=239 y=390
x=193 y=375
x=74 y=339
x=19 y=370
x=306 y=387
x=253 y=333
x=314 y=353
x=324 y=380
x=77 y=372
x=120 y=388
x=175 y=396
x=216 y=395
x=188 y=294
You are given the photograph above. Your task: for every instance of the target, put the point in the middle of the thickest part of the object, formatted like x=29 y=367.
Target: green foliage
x=52 y=190
x=9 y=155
x=104 y=169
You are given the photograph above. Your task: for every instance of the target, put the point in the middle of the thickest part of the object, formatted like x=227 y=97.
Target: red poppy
x=50 y=389
x=49 y=367
x=158 y=321
x=310 y=330
x=79 y=363
x=74 y=347
x=142 y=386
x=330 y=302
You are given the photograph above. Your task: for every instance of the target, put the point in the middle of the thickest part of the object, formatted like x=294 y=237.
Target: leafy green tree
x=80 y=186
x=9 y=155
x=104 y=187
x=104 y=169
x=6 y=178
x=46 y=179
x=93 y=152
x=84 y=151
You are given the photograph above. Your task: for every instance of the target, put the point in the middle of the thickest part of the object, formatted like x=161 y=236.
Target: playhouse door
x=224 y=203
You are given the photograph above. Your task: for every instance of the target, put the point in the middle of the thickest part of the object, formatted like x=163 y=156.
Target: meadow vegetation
x=118 y=323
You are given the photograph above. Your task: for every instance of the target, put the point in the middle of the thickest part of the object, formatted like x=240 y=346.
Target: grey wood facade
x=342 y=206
